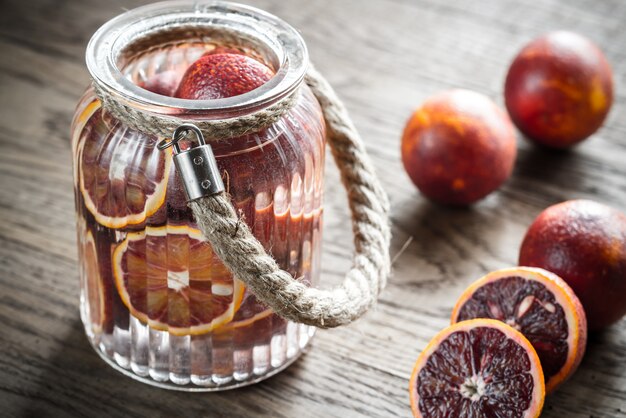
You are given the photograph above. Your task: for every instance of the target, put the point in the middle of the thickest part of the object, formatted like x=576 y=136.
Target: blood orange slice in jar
x=541 y=306
x=477 y=368
x=94 y=287
x=122 y=174
x=84 y=111
x=170 y=278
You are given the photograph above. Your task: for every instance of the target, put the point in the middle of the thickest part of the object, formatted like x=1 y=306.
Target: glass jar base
x=195 y=383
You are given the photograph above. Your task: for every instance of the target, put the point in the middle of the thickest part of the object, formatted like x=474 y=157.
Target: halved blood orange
x=94 y=288
x=115 y=188
x=477 y=368
x=170 y=278
x=540 y=305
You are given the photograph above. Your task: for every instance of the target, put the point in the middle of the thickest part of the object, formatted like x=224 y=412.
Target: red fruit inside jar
x=559 y=89
x=458 y=147
x=221 y=75
x=221 y=49
x=164 y=83
x=584 y=242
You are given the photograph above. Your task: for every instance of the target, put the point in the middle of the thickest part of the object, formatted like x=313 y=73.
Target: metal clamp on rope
x=197 y=166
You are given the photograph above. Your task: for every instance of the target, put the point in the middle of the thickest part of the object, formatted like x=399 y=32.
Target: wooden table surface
x=384 y=57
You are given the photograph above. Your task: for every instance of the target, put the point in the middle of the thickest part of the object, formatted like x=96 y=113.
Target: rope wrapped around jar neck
x=245 y=256
x=213 y=130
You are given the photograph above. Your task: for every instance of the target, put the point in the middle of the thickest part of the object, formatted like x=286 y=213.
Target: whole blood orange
x=170 y=278
x=584 y=242
x=477 y=368
x=559 y=89
x=221 y=75
x=458 y=147
x=541 y=306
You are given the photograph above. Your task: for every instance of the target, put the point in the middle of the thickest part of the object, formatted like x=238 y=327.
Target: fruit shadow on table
x=597 y=380
x=549 y=175
x=443 y=245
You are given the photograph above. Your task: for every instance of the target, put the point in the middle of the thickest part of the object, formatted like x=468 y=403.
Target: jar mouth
x=279 y=42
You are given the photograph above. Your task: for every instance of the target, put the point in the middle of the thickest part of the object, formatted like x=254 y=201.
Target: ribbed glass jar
x=156 y=302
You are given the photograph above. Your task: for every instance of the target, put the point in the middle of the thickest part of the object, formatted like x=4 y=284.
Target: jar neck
x=124 y=41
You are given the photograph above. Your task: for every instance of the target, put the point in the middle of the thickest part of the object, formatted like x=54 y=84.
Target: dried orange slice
x=540 y=305
x=94 y=288
x=122 y=176
x=477 y=368
x=171 y=279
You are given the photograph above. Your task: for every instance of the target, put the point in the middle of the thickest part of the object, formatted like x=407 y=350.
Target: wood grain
x=384 y=57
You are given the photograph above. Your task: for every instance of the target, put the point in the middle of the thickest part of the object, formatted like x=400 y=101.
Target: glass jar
x=156 y=302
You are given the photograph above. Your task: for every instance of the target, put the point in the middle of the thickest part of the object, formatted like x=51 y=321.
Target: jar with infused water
x=156 y=302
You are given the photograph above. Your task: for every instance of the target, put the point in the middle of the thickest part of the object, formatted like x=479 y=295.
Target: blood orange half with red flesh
x=477 y=368
x=541 y=306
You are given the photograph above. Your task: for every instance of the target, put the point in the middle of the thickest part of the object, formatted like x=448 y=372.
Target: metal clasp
x=197 y=166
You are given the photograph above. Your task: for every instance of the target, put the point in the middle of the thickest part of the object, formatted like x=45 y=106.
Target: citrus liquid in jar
x=156 y=302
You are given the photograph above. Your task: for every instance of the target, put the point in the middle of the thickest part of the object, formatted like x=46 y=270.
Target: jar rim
x=276 y=35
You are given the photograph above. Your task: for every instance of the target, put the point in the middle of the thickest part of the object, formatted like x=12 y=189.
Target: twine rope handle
x=245 y=256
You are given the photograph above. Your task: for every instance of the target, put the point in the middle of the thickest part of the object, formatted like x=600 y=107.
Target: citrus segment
x=477 y=368
x=170 y=278
x=540 y=305
x=116 y=190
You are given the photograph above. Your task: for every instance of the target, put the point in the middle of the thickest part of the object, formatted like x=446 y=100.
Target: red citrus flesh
x=458 y=147
x=170 y=278
x=559 y=89
x=221 y=75
x=584 y=242
x=477 y=368
x=541 y=306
